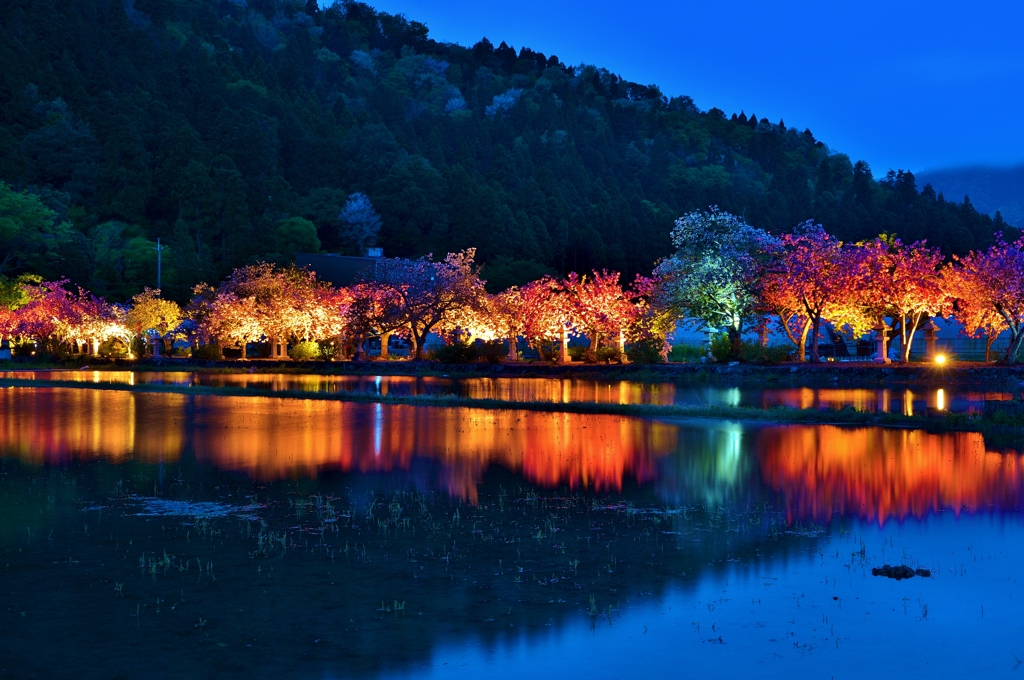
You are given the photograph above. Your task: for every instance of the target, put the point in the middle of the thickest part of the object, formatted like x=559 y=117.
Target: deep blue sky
x=902 y=84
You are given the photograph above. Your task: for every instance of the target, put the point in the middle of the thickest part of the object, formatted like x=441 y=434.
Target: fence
x=961 y=349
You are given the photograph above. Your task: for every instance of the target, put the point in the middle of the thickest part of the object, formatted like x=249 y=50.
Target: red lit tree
x=376 y=310
x=988 y=290
x=548 y=315
x=824 y=278
x=902 y=282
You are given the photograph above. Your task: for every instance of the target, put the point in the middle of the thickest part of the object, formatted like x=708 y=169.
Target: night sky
x=901 y=84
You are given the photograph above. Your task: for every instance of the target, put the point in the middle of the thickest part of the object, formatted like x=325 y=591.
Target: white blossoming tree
x=712 y=275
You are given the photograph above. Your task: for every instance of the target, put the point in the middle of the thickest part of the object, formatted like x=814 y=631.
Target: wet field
x=169 y=535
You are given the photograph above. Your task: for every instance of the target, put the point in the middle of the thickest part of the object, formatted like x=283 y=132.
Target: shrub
x=766 y=356
x=647 y=351
x=23 y=349
x=305 y=351
x=492 y=351
x=576 y=353
x=329 y=350
x=113 y=349
x=724 y=349
x=455 y=353
x=211 y=352
x=608 y=354
x=687 y=353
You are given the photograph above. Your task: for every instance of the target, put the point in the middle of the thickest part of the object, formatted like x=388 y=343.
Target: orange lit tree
x=548 y=315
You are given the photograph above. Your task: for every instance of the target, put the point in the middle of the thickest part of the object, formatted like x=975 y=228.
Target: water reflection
x=816 y=471
x=280 y=438
x=878 y=474
x=562 y=390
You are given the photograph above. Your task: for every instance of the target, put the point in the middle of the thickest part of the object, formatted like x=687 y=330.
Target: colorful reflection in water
x=879 y=474
x=905 y=401
x=278 y=438
x=818 y=471
x=561 y=390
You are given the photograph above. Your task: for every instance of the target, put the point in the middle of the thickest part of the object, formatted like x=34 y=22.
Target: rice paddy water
x=178 y=535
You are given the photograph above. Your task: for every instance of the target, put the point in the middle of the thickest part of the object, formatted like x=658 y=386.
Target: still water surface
x=566 y=390
x=163 y=535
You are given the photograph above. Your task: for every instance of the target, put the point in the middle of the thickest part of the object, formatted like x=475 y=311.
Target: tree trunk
x=563 y=348
x=815 y=327
x=385 y=339
x=801 y=344
x=513 y=350
x=244 y=355
x=595 y=342
x=802 y=347
x=1016 y=340
x=417 y=344
x=910 y=330
x=989 y=341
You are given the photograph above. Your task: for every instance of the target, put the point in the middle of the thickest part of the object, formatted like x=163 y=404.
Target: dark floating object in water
x=901 y=572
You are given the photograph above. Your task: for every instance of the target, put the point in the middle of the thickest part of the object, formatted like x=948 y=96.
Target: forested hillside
x=991 y=190
x=236 y=131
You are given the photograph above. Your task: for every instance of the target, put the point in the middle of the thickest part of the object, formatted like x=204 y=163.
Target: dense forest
x=241 y=130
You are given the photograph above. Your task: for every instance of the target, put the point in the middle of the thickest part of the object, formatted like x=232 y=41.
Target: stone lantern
x=882 y=338
x=709 y=332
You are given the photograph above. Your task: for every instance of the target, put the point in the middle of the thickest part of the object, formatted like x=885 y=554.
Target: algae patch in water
x=162 y=507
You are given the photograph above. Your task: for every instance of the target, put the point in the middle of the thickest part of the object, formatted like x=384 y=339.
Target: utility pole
x=159 y=263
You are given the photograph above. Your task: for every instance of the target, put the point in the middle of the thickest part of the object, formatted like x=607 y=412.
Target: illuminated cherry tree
x=548 y=315
x=603 y=309
x=433 y=294
x=903 y=283
x=262 y=301
x=823 y=277
x=782 y=300
x=376 y=310
x=714 y=272
x=988 y=290
x=151 y=314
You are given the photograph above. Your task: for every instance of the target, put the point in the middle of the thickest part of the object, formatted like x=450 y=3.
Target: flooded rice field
x=900 y=400
x=169 y=535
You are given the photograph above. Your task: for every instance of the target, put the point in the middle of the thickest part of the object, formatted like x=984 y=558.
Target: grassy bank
x=1000 y=424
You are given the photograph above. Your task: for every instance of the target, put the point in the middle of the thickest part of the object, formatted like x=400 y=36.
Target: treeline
x=244 y=131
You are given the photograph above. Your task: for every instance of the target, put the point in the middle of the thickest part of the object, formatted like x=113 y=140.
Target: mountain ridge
x=990 y=188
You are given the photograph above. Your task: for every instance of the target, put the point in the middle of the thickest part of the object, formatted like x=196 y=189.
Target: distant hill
x=240 y=130
x=990 y=189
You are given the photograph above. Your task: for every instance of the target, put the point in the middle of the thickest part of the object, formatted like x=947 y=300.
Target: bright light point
x=940 y=399
x=940 y=359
